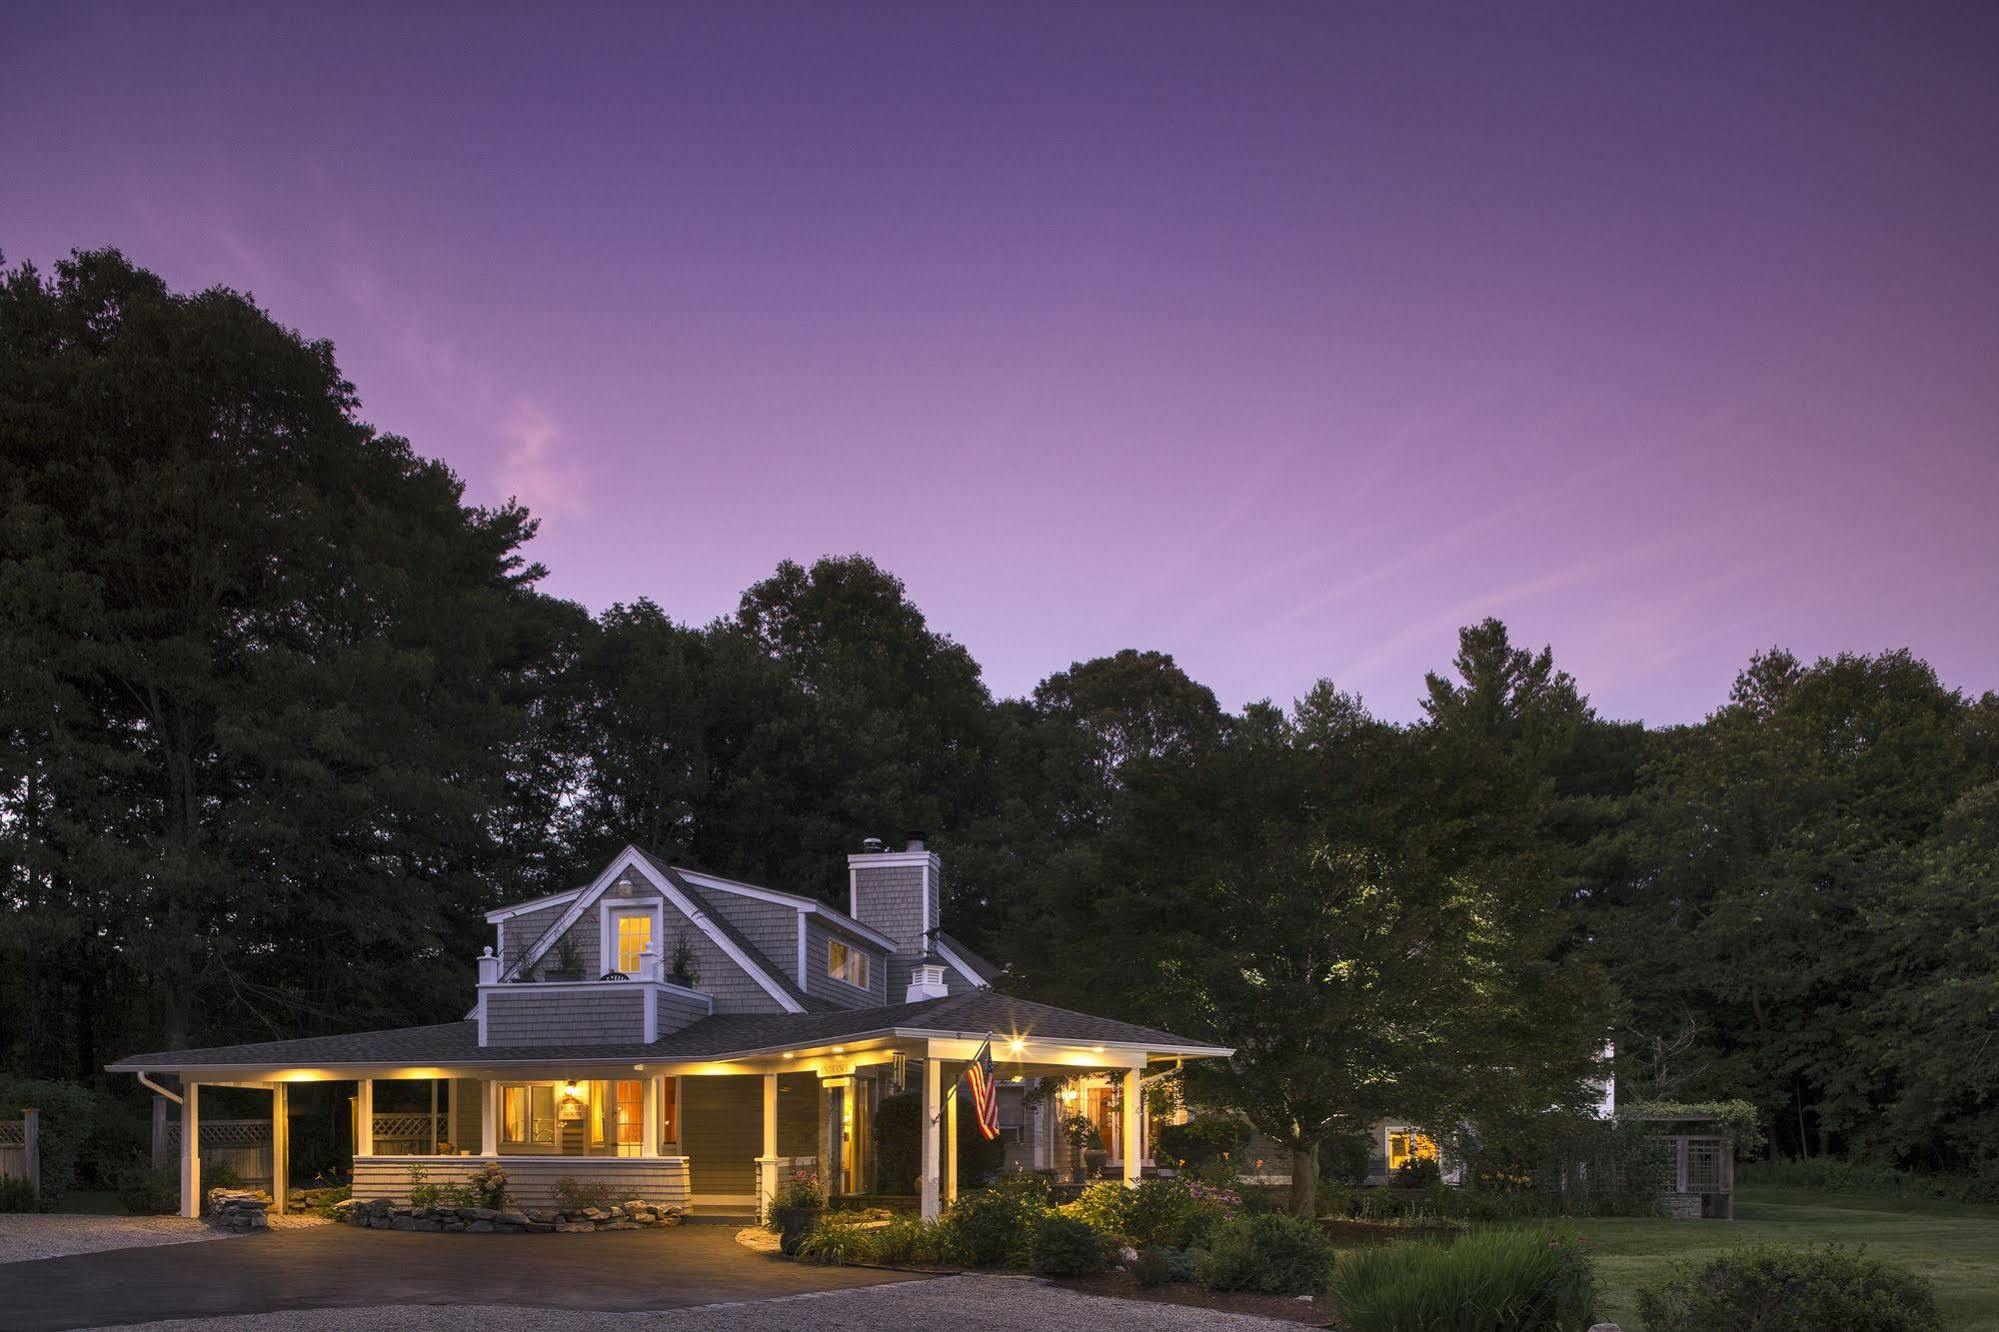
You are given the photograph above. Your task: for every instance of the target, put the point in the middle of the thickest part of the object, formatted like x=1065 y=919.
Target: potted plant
x=1085 y=1142
x=681 y=972
x=566 y=965
x=799 y=1204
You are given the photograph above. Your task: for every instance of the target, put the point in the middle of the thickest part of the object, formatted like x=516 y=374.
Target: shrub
x=574 y=1195
x=1832 y=1173
x=836 y=1238
x=487 y=1186
x=1203 y=1139
x=1065 y=1246
x=16 y=1194
x=908 y=1239
x=148 y=1192
x=1103 y=1206
x=800 y=1188
x=1275 y=1253
x=1159 y=1265
x=220 y=1175
x=1490 y=1282
x=1778 y=1288
x=1419 y=1172
x=1173 y=1214
x=69 y=1122
x=324 y=1199
x=996 y=1226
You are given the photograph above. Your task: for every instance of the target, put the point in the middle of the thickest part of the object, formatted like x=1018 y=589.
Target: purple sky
x=1285 y=338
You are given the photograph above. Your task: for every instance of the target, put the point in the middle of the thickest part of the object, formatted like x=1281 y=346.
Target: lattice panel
x=14 y=1134
x=1704 y=1165
x=406 y=1126
x=227 y=1132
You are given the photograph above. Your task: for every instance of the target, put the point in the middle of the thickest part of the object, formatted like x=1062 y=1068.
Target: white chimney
x=926 y=981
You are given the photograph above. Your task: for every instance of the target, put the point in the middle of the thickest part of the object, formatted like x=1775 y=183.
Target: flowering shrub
x=488 y=1186
x=800 y=1188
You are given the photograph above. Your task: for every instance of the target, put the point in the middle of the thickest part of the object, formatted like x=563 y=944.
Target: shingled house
x=682 y=1037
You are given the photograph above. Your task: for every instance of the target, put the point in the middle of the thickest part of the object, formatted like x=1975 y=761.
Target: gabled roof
x=965 y=960
x=774 y=980
x=975 y=1014
x=784 y=978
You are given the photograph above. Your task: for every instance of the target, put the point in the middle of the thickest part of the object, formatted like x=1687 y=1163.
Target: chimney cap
x=871 y=845
x=915 y=836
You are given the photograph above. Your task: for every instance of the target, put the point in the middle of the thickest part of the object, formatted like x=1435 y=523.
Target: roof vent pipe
x=871 y=845
x=915 y=840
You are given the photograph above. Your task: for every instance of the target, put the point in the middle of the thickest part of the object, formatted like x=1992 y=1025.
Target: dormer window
x=847 y=964
x=634 y=937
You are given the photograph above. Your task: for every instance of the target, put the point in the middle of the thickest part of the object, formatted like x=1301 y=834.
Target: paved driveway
x=345 y=1267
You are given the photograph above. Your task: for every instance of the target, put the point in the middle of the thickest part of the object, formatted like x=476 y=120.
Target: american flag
x=985 y=1095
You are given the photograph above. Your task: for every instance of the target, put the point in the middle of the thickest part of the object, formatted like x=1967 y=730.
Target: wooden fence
x=21 y=1149
x=242 y=1145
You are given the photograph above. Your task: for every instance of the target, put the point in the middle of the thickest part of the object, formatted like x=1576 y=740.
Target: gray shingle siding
x=890 y=898
x=522 y=932
x=533 y=1016
x=818 y=942
x=677 y=1011
x=770 y=926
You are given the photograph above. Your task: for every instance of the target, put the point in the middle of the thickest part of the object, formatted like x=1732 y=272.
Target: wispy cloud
x=537 y=469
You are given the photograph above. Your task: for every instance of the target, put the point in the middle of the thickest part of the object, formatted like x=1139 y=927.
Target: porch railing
x=411 y=1135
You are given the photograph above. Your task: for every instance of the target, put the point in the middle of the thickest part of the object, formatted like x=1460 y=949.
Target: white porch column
x=649 y=1138
x=1133 y=1108
x=364 y=1117
x=190 y=1149
x=489 y=1118
x=767 y=1163
x=932 y=1077
x=281 y=1145
x=951 y=1141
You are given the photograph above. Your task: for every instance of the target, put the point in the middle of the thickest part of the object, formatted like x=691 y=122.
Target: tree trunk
x=1305 y=1178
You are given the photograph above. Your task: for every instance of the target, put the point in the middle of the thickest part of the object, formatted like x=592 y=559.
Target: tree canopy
x=281 y=713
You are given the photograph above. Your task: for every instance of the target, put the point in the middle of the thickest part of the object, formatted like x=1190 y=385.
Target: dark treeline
x=280 y=714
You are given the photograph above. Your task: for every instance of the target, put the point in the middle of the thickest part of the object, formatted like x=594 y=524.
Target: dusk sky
x=1285 y=338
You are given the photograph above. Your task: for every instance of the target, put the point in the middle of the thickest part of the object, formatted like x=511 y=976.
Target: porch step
x=722 y=1214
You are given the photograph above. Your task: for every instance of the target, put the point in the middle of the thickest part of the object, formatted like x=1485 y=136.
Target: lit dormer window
x=634 y=937
x=847 y=964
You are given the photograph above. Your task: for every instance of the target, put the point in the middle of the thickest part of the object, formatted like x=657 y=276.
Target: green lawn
x=1956 y=1245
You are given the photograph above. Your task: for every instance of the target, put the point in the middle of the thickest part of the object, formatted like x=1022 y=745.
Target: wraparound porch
x=717 y=1135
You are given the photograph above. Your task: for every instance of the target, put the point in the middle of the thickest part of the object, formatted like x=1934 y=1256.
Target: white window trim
x=608 y=911
x=631 y=859
x=867 y=960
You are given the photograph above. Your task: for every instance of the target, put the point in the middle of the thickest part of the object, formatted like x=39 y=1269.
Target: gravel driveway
x=28 y=1235
x=946 y=1304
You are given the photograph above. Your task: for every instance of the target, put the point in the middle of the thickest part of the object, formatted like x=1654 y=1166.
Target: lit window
x=847 y=964
x=634 y=937
x=1405 y=1145
x=527 y=1114
x=631 y=1117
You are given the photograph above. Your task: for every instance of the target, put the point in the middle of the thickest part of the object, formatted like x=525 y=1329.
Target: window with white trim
x=846 y=963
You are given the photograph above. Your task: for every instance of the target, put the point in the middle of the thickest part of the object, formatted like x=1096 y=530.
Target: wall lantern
x=570 y=1108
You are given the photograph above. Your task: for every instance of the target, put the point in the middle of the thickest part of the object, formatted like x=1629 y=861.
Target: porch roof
x=723 y=1036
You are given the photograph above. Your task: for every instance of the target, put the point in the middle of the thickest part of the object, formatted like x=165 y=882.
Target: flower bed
x=637 y=1214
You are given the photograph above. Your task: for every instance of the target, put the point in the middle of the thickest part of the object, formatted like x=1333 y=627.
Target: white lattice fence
x=410 y=1135
x=241 y=1145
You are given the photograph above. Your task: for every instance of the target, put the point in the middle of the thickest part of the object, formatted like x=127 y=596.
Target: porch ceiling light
x=1016 y=1045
